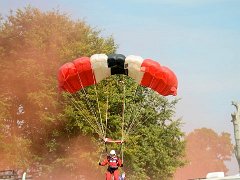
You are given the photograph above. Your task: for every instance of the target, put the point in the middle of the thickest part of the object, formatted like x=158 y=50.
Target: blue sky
x=198 y=39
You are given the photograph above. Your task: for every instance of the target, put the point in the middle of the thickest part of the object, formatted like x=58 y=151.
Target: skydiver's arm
x=120 y=164
x=104 y=163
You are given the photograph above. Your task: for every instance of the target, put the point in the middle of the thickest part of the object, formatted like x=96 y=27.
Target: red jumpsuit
x=113 y=164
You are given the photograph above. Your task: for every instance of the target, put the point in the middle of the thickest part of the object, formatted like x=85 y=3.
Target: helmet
x=112 y=152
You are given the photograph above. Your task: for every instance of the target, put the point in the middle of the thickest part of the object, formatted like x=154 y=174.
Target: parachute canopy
x=85 y=71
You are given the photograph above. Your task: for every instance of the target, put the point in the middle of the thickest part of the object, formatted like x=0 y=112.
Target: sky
x=198 y=39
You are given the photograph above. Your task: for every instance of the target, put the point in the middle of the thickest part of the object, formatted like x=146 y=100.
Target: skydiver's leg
x=108 y=175
x=116 y=174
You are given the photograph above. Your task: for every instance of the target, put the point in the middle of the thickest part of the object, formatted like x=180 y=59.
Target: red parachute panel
x=74 y=76
x=78 y=74
x=158 y=78
x=171 y=82
x=84 y=70
x=68 y=78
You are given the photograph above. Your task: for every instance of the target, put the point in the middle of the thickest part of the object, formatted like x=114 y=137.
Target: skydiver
x=113 y=162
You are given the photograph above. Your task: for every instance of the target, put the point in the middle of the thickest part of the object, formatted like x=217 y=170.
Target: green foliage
x=154 y=141
x=157 y=151
x=33 y=45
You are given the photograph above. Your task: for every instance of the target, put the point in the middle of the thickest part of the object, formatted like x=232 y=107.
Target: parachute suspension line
x=85 y=117
x=89 y=105
x=122 y=151
x=133 y=124
x=99 y=110
x=95 y=121
x=106 y=119
x=138 y=123
x=97 y=130
x=123 y=110
x=132 y=110
x=135 y=116
x=90 y=122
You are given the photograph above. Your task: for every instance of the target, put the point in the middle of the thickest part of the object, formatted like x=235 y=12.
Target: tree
x=154 y=142
x=33 y=45
x=206 y=152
